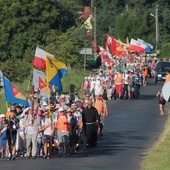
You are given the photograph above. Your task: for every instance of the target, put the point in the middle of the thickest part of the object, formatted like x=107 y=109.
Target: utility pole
x=93 y=7
x=127 y=7
x=157 y=29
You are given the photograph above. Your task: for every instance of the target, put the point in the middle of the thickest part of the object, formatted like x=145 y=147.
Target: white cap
x=44 y=104
x=60 y=109
x=2 y=115
x=26 y=110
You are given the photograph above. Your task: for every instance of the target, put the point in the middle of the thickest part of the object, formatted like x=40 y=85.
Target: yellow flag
x=127 y=40
x=88 y=23
x=55 y=70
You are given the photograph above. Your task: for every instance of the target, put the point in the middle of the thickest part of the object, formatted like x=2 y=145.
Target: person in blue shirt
x=3 y=139
x=137 y=83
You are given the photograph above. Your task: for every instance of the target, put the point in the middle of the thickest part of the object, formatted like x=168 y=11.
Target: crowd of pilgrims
x=67 y=123
x=59 y=127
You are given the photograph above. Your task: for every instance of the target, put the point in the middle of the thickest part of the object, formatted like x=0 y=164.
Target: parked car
x=161 y=70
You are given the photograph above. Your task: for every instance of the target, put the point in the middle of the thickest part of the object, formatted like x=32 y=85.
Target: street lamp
x=157 y=29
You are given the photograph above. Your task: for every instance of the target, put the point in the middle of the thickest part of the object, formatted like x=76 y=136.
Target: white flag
x=40 y=83
x=142 y=41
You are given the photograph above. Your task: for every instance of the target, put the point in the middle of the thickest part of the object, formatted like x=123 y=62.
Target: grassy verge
x=159 y=156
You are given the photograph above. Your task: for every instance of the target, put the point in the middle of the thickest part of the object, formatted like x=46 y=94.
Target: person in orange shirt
x=101 y=107
x=167 y=77
x=118 y=83
x=144 y=75
x=62 y=126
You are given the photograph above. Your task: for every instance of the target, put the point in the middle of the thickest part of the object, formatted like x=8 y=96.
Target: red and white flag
x=40 y=57
x=137 y=46
x=105 y=55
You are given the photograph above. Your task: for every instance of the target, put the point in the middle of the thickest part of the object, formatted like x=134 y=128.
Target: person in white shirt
x=21 y=135
x=92 y=87
x=126 y=82
x=98 y=86
x=31 y=123
x=48 y=128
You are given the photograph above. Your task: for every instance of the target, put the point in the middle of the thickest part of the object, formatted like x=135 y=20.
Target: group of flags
x=118 y=48
x=54 y=68
x=52 y=72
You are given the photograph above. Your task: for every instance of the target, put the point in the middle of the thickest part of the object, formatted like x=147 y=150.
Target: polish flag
x=137 y=46
x=40 y=57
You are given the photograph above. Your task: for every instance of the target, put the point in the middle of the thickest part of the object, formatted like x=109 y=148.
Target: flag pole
x=6 y=105
x=48 y=90
x=93 y=7
x=48 y=95
x=29 y=83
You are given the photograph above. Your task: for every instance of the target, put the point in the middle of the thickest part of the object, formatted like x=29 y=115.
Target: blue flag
x=12 y=94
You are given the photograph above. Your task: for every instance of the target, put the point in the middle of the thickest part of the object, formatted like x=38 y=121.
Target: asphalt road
x=131 y=128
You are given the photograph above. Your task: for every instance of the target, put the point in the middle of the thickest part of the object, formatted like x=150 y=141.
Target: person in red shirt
x=86 y=86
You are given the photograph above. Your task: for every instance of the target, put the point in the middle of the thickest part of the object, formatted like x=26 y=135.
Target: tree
x=16 y=70
x=26 y=23
x=165 y=52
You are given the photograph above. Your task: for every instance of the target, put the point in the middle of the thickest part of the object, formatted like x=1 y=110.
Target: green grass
x=72 y=77
x=158 y=157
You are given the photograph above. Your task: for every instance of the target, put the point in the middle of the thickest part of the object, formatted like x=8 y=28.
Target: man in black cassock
x=90 y=120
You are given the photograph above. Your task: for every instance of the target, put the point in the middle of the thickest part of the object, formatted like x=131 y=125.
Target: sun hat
x=69 y=110
x=73 y=106
x=62 y=96
x=47 y=108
